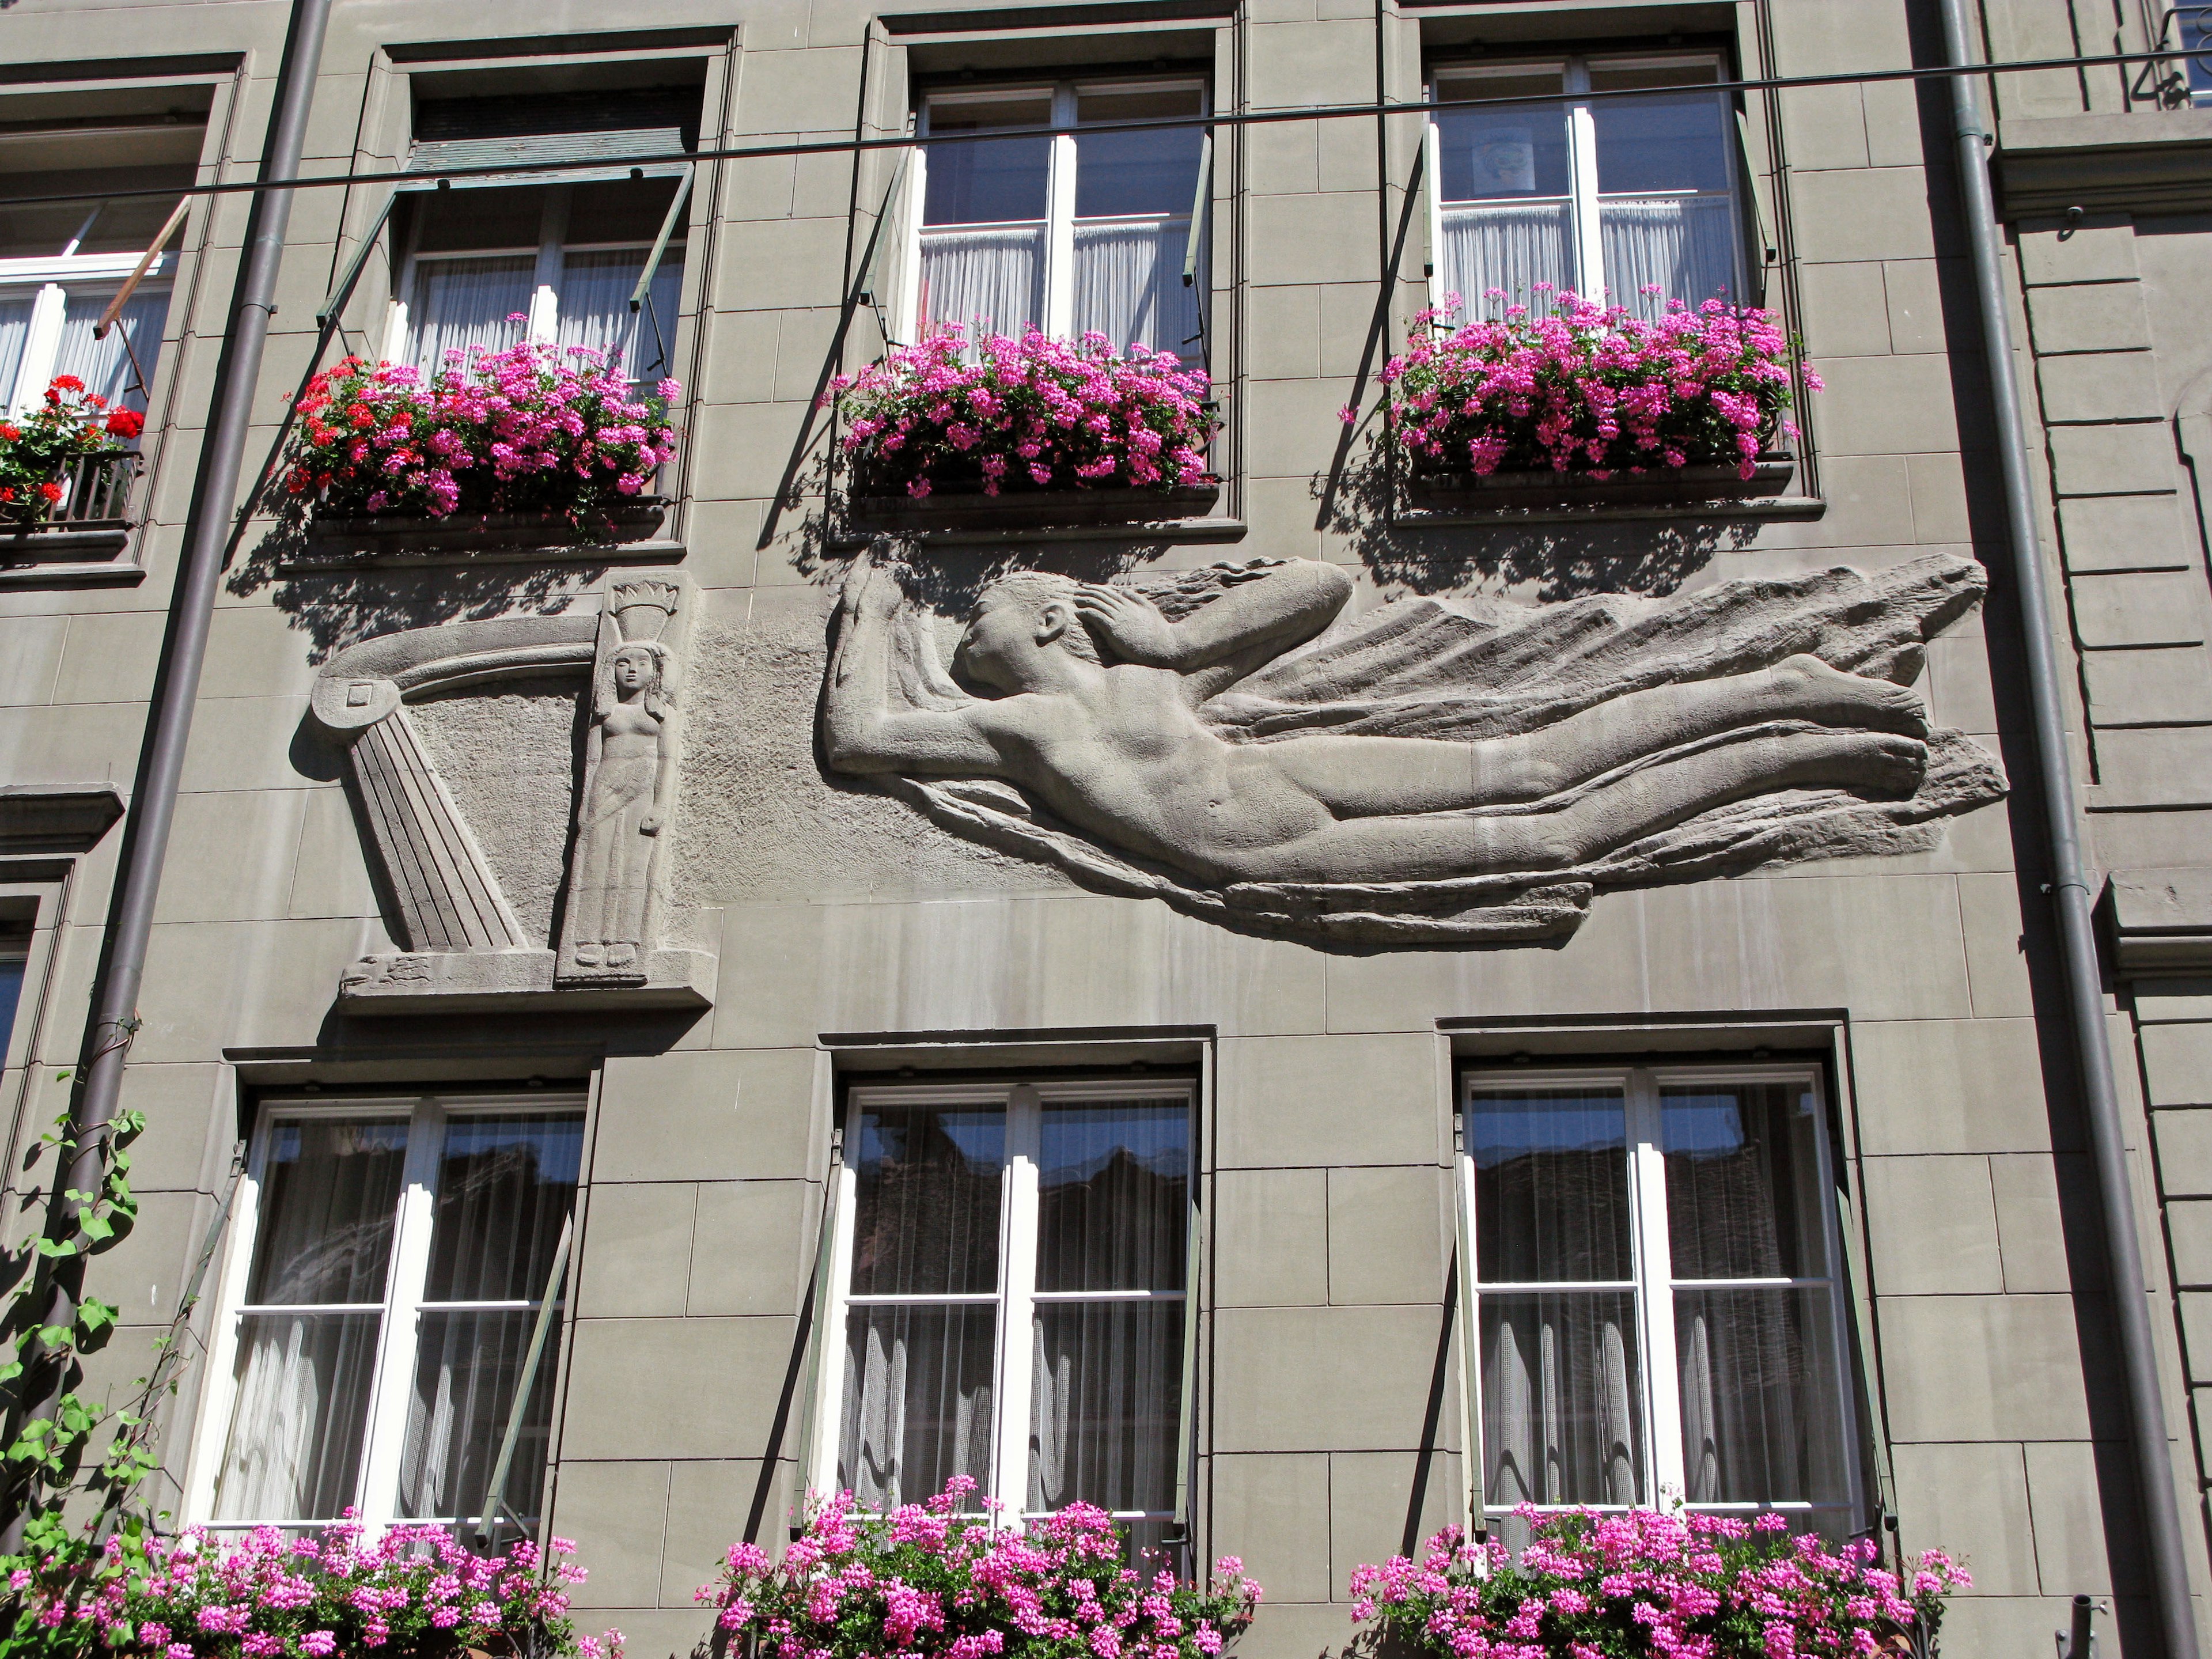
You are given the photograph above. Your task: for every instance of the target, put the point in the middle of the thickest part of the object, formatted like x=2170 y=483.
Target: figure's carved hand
x=1130 y=623
x=649 y=824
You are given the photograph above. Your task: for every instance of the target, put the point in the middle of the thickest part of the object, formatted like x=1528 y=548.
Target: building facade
x=667 y=943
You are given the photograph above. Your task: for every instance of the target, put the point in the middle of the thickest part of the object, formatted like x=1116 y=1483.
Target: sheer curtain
x=989 y=279
x=1106 y=1400
x=506 y=1183
x=1562 y=1399
x=1513 y=247
x=460 y=303
x=1128 y=284
x=923 y=1330
x=593 y=306
x=1686 y=245
x=1762 y=1410
x=15 y=328
x=330 y=1197
x=103 y=365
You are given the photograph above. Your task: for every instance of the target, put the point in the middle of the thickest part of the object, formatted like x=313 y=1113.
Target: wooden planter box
x=352 y=539
x=1029 y=509
x=1468 y=492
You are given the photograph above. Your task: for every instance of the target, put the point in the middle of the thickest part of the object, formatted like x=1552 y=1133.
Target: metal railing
x=2186 y=78
x=95 y=495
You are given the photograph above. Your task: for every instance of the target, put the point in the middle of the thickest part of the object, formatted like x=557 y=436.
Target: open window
x=1634 y=197
x=62 y=264
x=1068 y=229
x=1007 y=1274
x=389 y=1260
x=1660 y=1304
x=585 y=256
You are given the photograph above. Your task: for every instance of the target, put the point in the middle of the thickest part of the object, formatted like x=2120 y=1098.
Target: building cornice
x=56 y=818
x=2147 y=162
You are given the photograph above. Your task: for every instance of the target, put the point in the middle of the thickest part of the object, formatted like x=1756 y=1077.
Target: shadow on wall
x=1553 y=562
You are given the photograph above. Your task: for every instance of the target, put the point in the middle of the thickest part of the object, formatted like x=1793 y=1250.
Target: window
x=62 y=264
x=1607 y=195
x=1659 y=1304
x=563 y=259
x=1073 y=231
x=2196 y=40
x=1008 y=1279
x=15 y=955
x=387 y=1263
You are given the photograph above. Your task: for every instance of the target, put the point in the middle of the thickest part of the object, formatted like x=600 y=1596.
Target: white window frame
x=51 y=279
x=551 y=248
x=1059 y=319
x=376 y=1483
x=1583 y=195
x=1664 y=1475
x=1017 y=1298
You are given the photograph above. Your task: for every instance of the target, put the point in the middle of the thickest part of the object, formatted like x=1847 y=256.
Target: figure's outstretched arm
x=1265 y=613
x=860 y=729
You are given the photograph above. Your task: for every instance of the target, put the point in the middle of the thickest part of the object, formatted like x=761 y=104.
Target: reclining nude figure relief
x=1130 y=728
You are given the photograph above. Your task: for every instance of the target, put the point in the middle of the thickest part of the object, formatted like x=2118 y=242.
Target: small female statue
x=627 y=762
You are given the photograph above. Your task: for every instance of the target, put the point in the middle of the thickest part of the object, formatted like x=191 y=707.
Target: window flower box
x=1590 y=406
x=66 y=476
x=525 y=448
x=1027 y=433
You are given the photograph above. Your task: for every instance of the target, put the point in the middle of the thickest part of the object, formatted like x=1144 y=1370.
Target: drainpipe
x=207 y=535
x=2070 y=889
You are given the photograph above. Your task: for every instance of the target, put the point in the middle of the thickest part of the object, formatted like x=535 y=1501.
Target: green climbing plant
x=72 y=1466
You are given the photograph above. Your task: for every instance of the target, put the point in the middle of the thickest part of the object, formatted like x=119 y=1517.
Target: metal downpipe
x=207 y=537
x=2071 y=899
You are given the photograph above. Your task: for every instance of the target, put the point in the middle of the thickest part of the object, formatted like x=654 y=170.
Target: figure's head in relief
x=1023 y=625
x=634 y=673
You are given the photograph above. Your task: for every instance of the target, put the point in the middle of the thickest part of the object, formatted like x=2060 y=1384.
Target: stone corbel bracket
x=464 y=951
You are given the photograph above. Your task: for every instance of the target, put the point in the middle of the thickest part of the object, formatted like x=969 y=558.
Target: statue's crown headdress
x=641 y=609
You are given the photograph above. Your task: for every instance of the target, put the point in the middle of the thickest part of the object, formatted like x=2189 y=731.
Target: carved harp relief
x=465 y=948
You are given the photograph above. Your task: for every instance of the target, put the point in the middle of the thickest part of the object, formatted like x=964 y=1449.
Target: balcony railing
x=95 y=495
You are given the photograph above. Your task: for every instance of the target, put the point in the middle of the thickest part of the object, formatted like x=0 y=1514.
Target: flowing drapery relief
x=464 y=942
x=1432 y=771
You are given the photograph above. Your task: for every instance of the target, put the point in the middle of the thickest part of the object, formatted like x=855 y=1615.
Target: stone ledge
x=34 y=558
x=633 y=534
x=515 y=981
x=56 y=818
x=2150 y=161
x=1679 y=488
x=2161 y=919
x=1179 y=514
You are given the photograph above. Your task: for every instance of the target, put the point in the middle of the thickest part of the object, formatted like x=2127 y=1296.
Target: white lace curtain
x=103 y=365
x=1683 y=245
x=1127 y=281
x=1562 y=1411
x=14 y=329
x=593 y=308
x=461 y=303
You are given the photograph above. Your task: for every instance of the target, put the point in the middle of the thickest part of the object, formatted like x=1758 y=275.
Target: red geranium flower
x=125 y=424
x=66 y=383
x=51 y=491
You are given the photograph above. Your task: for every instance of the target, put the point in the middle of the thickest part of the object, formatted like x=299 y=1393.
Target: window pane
x=1507 y=150
x=1551 y=1185
x=1510 y=249
x=1106 y=1401
x=917 y=1402
x=103 y=365
x=991 y=180
x=992 y=281
x=460 y=303
x=1762 y=1419
x=505 y=1185
x=1665 y=142
x=1562 y=1399
x=593 y=304
x=1136 y=172
x=1685 y=247
x=296 y=1432
x=330 y=1194
x=15 y=328
x=926 y=1219
x=1130 y=286
x=11 y=989
x=2197 y=32
x=1113 y=1189
x=1743 y=1181
x=466 y=1367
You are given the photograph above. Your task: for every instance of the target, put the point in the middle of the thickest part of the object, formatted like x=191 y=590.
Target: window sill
x=484 y=538
x=1178 y=514
x=2152 y=160
x=503 y=982
x=1539 y=498
x=81 y=555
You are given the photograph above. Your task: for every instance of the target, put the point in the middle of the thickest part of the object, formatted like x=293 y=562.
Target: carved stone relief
x=1431 y=772
x=465 y=946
